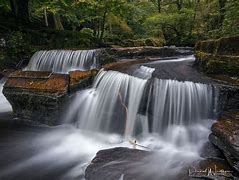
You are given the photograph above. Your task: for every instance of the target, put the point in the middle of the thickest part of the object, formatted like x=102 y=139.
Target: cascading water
x=114 y=100
x=115 y=96
x=181 y=103
x=4 y=104
x=63 y=61
x=144 y=72
x=174 y=119
x=177 y=118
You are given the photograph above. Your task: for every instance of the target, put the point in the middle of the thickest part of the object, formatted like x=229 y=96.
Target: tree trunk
x=159 y=6
x=103 y=26
x=46 y=18
x=20 y=10
x=179 y=4
x=57 y=21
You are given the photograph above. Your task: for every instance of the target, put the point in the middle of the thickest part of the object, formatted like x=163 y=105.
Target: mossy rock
x=154 y=42
x=228 y=46
x=139 y=42
x=222 y=46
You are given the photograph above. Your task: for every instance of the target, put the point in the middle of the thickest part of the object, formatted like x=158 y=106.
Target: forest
x=119 y=89
x=29 y=25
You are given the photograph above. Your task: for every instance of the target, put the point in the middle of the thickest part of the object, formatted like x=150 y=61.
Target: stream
x=169 y=112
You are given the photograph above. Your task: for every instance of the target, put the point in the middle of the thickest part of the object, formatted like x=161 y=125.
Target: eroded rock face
x=225 y=135
x=40 y=96
x=220 y=56
x=228 y=99
x=36 y=95
x=81 y=79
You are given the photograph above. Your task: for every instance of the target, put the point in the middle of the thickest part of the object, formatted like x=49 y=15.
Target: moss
x=226 y=79
x=139 y=42
x=154 y=42
x=217 y=64
x=228 y=46
x=40 y=81
x=222 y=46
x=218 y=56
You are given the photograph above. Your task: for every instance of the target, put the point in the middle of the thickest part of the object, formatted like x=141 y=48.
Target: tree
x=20 y=10
x=158 y=4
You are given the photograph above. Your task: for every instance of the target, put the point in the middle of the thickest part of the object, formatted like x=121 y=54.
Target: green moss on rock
x=219 y=56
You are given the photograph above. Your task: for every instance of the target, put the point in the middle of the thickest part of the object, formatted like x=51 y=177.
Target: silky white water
x=114 y=95
x=175 y=124
x=171 y=118
x=181 y=103
x=70 y=149
x=144 y=72
x=63 y=61
x=5 y=106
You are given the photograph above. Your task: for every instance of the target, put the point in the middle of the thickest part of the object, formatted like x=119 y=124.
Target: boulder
x=40 y=96
x=117 y=163
x=225 y=135
x=36 y=95
x=132 y=164
x=209 y=150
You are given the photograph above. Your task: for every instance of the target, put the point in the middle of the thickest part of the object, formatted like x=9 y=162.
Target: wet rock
x=117 y=163
x=6 y=72
x=128 y=164
x=209 y=150
x=146 y=51
x=40 y=96
x=228 y=99
x=120 y=64
x=211 y=168
x=81 y=79
x=225 y=135
x=37 y=96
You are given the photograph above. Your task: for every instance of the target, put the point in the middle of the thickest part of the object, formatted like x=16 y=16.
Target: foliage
x=88 y=23
x=231 y=22
x=16 y=49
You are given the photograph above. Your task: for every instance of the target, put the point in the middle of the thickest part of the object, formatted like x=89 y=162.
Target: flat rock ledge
x=40 y=96
x=225 y=135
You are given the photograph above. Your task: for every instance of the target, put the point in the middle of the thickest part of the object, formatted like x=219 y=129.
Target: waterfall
x=181 y=103
x=144 y=72
x=110 y=105
x=114 y=104
x=63 y=61
x=4 y=104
